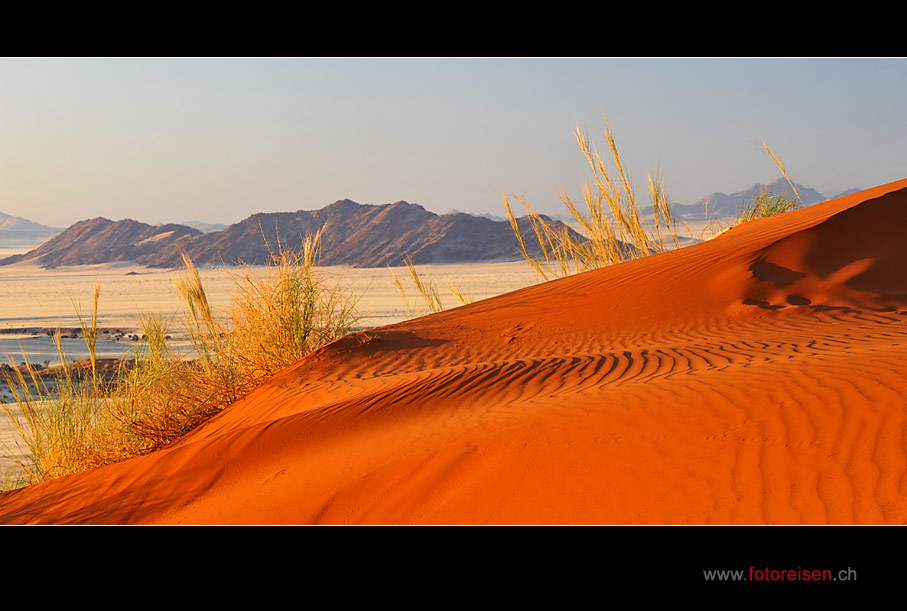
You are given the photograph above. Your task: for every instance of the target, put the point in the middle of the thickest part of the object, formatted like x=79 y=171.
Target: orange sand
x=757 y=378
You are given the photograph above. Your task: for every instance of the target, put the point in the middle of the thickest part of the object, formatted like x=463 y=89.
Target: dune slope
x=757 y=378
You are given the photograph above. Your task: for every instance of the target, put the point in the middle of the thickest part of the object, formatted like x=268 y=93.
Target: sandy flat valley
x=33 y=297
x=35 y=301
x=755 y=378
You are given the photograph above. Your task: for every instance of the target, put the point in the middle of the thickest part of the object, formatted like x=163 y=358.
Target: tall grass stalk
x=276 y=317
x=62 y=417
x=780 y=165
x=425 y=287
x=90 y=330
x=767 y=203
x=610 y=217
x=79 y=421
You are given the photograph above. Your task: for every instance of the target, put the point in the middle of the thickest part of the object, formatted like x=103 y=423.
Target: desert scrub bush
x=276 y=316
x=62 y=414
x=616 y=230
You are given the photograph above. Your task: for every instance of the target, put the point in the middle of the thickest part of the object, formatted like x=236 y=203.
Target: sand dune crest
x=755 y=378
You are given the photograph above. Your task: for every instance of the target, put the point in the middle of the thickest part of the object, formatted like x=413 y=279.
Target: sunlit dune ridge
x=755 y=378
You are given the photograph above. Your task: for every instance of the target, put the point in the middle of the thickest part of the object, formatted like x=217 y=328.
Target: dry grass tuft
x=425 y=287
x=610 y=217
x=78 y=420
x=768 y=204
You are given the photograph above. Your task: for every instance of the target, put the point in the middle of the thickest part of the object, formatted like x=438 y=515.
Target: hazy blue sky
x=171 y=140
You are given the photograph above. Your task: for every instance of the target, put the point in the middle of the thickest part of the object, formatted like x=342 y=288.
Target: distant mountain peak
x=359 y=235
x=101 y=240
x=15 y=229
x=9 y=222
x=204 y=227
x=341 y=203
x=719 y=205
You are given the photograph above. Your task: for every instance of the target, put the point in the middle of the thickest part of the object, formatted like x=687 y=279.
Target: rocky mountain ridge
x=359 y=235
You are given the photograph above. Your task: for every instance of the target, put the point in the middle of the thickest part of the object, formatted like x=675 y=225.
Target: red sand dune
x=756 y=378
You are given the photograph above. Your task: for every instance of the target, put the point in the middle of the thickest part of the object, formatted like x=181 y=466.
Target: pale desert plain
x=755 y=378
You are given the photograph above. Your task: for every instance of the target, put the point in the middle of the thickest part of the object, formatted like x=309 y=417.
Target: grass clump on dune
x=766 y=203
x=616 y=228
x=274 y=320
x=79 y=421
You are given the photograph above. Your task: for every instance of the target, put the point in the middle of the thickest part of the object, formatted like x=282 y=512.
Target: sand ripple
x=756 y=378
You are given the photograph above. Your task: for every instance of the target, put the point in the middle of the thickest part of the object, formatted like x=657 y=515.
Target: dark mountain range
x=357 y=235
x=100 y=240
x=720 y=205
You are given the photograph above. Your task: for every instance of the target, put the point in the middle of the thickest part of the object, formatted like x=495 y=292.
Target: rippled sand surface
x=757 y=378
